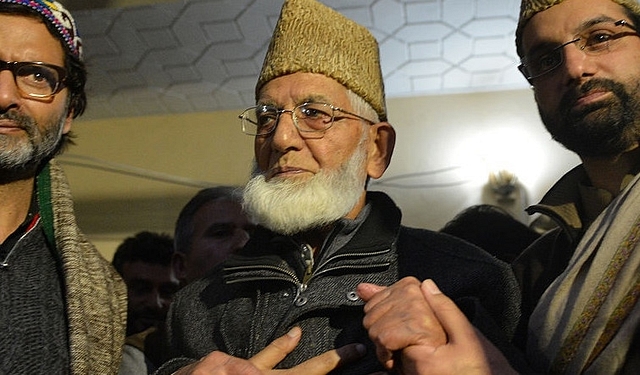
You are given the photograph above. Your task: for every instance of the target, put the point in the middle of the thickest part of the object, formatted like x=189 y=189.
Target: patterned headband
x=58 y=17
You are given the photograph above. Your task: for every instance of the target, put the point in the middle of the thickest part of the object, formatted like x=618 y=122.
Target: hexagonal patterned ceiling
x=205 y=55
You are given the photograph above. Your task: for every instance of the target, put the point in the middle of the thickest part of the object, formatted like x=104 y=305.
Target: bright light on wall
x=491 y=151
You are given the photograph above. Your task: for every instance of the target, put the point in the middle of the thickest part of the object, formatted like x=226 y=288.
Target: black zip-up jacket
x=272 y=286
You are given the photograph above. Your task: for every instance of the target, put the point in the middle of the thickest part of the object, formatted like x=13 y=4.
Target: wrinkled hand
x=420 y=331
x=467 y=350
x=398 y=318
x=220 y=363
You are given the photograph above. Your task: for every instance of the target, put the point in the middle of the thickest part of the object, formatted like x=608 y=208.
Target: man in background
x=144 y=262
x=492 y=229
x=209 y=228
x=63 y=307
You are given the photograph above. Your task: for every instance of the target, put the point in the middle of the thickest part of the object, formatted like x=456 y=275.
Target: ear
x=177 y=263
x=382 y=139
x=66 y=127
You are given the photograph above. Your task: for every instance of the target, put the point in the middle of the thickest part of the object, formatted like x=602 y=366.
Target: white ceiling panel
x=205 y=55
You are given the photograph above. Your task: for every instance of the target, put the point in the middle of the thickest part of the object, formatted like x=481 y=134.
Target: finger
x=452 y=319
x=399 y=316
x=385 y=356
x=275 y=352
x=391 y=294
x=367 y=290
x=482 y=353
x=329 y=361
x=220 y=363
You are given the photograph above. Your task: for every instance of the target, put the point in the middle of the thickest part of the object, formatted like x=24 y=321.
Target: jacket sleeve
x=178 y=361
x=462 y=270
x=190 y=323
x=482 y=286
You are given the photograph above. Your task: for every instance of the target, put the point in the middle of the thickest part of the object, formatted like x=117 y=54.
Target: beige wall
x=471 y=135
x=462 y=135
x=195 y=150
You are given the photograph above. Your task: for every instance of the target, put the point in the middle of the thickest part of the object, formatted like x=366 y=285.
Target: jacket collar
x=573 y=203
x=561 y=202
x=376 y=233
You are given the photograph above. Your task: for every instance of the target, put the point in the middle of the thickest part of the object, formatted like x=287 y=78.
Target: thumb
x=367 y=290
x=452 y=319
x=463 y=334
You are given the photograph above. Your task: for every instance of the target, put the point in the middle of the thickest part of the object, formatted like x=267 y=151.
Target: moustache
x=24 y=122
x=571 y=97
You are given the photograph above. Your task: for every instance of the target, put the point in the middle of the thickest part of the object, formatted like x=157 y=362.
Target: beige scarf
x=96 y=295
x=586 y=319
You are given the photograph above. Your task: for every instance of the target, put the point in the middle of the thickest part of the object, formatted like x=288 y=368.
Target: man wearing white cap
x=580 y=282
x=62 y=307
x=320 y=133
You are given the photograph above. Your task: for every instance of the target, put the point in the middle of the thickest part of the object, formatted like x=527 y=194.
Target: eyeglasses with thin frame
x=36 y=79
x=597 y=39
x=309 y=118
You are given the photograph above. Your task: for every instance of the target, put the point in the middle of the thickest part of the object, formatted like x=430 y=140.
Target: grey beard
x=19 y=155
x=289 y=207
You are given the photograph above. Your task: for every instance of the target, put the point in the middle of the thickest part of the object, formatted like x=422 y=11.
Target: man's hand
x=398 y=317
x=418 y=331
x=220 y=363
x=467 y=350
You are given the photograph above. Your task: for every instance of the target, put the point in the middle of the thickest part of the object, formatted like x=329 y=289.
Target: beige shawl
x=96 y=296
x=585 y=321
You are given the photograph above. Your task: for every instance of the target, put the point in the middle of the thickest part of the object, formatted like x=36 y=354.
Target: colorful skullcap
x=313 y=38
x=57 y=16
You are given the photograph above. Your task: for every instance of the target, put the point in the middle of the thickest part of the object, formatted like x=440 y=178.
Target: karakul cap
x=313 y=38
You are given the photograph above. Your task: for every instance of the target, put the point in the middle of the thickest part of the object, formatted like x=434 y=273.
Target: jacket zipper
x=291 y=276
x=321 y=271
x=307 y=257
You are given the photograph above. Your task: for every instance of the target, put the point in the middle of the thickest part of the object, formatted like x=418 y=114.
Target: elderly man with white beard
x=320 y=131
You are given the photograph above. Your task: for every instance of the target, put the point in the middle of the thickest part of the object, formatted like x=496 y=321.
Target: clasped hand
x=416 y=329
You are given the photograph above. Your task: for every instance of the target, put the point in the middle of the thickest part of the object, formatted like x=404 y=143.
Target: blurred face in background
x=150 y=290
x=220 y=228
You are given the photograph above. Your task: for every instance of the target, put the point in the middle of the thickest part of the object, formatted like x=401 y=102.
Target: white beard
x=293 y=206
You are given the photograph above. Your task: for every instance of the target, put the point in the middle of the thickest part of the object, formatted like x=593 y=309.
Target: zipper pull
x=307 y=257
